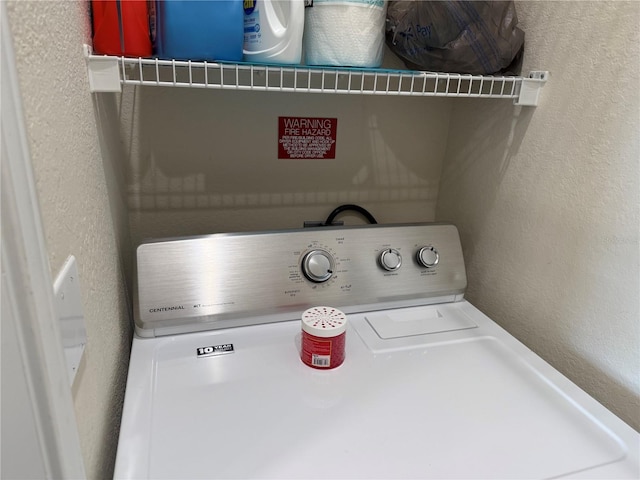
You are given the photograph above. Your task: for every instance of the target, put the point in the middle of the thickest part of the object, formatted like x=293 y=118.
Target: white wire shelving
x=109 y=73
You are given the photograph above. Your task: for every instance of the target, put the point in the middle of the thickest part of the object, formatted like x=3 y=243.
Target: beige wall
x=548 y=199
x=83 y=209
x=206 y=161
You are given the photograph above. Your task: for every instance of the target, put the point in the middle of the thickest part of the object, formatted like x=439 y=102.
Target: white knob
x=317 y=266
x=428 y=257
x=390 y=260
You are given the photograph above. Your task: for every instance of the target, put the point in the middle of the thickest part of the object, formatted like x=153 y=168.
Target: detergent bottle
x=210 y=30
x=121 y=27
x=273 y=31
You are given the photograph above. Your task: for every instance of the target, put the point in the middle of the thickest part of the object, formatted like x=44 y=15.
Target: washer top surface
x=459 y=399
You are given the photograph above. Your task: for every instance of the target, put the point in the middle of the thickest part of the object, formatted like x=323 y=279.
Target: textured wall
x=548 y=199
x=206 y=161
x=81 y=205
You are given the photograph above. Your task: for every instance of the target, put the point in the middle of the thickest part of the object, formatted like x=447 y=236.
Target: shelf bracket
x=103 y=72
x=530 y=88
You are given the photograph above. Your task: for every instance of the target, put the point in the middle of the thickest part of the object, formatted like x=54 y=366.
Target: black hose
x=342 y=208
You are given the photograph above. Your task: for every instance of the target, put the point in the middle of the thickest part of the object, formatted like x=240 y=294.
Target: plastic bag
x=476 y=37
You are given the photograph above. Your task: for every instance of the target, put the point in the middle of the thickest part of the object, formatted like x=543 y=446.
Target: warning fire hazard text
x=307 y=137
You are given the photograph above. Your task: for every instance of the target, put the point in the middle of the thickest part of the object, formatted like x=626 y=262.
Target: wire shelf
x=109 y=73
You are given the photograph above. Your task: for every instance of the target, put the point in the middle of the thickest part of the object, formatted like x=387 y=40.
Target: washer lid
x=324 y=322
x=470 y=403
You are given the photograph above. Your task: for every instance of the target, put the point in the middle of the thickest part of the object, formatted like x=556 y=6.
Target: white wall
x=83 y=211
x=548 y=199
x=206 y=161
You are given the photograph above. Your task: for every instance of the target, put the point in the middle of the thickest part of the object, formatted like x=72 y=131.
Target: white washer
x=429 y=388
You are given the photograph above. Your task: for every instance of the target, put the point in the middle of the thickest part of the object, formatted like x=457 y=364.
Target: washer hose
x=342 y=208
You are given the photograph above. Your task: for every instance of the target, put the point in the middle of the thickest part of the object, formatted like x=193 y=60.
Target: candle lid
x=324 y=321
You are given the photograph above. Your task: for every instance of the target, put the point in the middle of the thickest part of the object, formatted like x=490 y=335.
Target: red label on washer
x=307 y=137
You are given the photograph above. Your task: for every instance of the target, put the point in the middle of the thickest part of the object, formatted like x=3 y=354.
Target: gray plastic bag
x=476 y=37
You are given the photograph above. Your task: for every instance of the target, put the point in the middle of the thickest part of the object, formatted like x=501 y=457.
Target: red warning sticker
x=307 y=137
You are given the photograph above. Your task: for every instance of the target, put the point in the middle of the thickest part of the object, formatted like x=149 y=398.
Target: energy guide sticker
x=307 y=138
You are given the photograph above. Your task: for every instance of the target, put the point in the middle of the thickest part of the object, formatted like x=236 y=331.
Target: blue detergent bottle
x=210 y=30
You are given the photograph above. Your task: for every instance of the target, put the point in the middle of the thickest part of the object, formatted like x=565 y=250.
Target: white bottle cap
x=324 y=322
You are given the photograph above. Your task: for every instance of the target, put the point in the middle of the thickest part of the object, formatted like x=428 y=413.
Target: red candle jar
x=323 y=337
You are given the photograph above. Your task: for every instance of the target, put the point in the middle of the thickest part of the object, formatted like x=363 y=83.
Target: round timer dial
x=428 y=256
x=390 y=260
x=318 y=265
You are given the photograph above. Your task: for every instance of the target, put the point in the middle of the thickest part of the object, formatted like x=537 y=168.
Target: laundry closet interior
x=542 y=187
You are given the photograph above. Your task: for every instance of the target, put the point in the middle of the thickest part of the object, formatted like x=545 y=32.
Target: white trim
x=25 y=269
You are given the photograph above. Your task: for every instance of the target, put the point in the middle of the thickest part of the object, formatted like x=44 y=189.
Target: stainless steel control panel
x=225 y=280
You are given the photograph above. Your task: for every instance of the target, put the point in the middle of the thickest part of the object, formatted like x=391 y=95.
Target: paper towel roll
x=347 y=33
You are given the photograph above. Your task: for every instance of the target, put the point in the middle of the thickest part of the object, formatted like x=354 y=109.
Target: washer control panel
x=214 y=281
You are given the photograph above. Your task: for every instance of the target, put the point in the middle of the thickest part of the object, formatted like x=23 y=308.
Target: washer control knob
x=428 y=257
x=390 y=259
x=318 y=266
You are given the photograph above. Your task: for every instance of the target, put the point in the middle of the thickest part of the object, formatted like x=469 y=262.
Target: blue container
x=199 y=29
